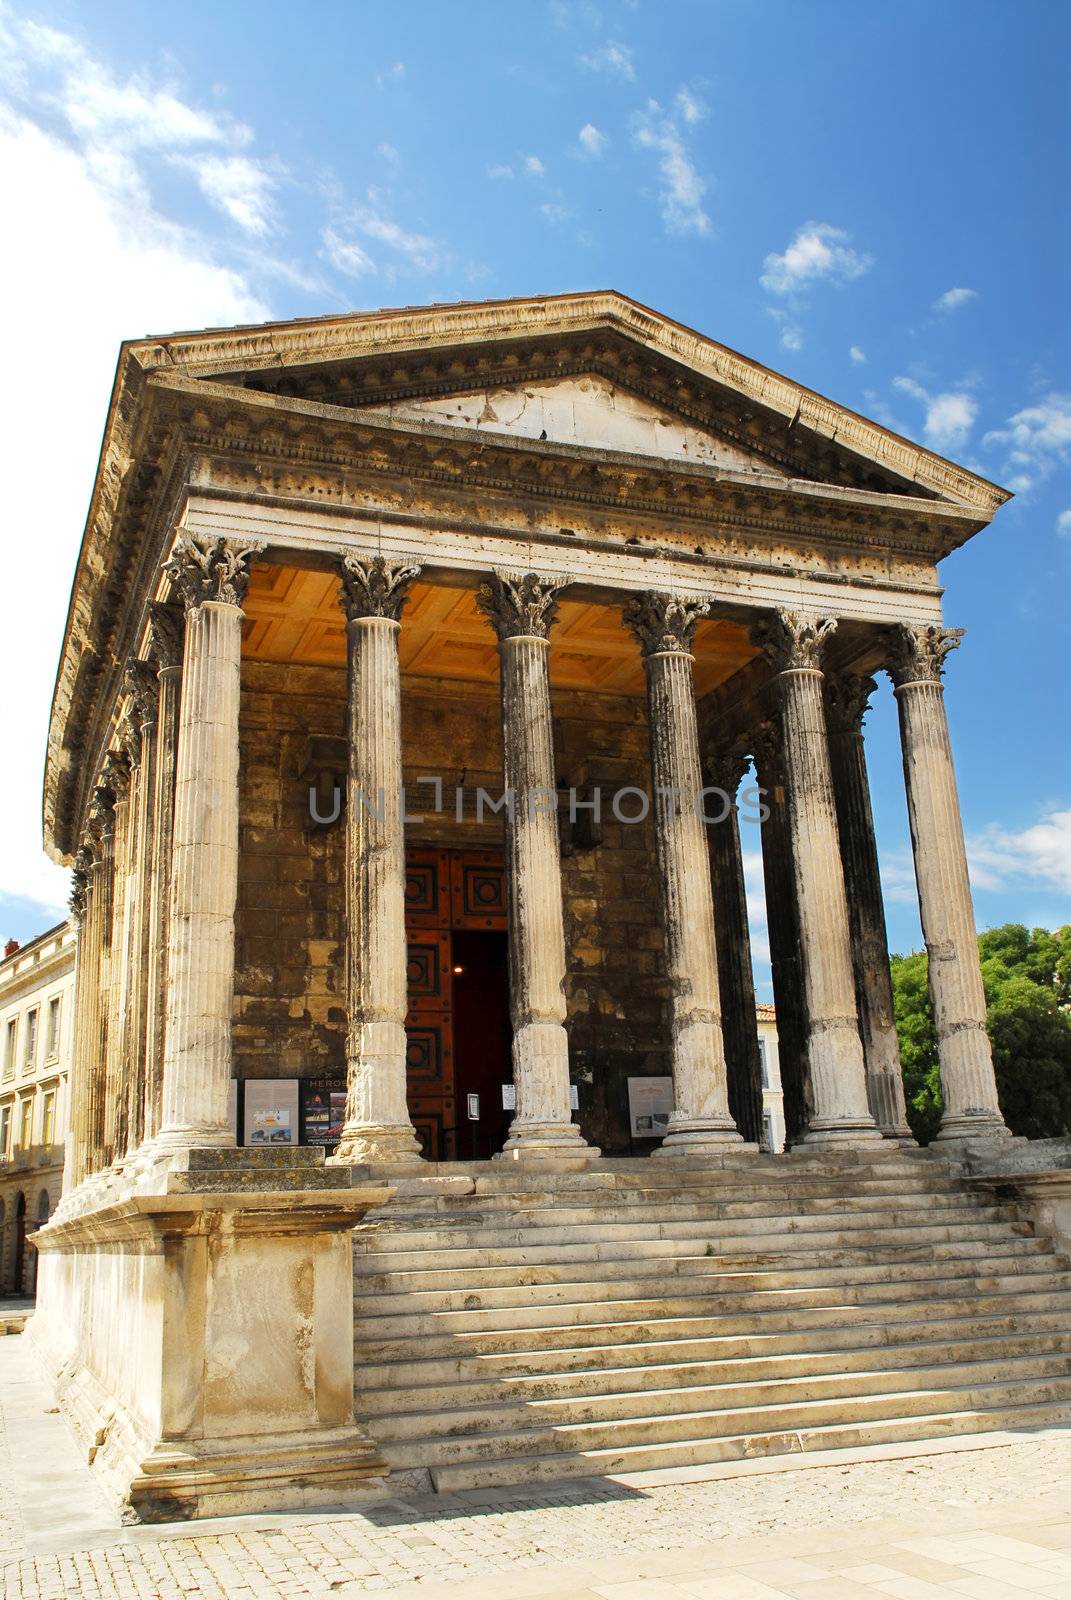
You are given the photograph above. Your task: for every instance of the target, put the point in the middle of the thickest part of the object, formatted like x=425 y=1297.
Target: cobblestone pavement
x=557 y=1540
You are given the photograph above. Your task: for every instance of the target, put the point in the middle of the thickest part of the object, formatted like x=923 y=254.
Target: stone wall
x=289 y=1017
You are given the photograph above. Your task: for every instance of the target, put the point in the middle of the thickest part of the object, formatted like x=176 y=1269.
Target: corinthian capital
x=725 y=767
x=793 y=640
x=848 y=701
x=166 y=625
x=141 y=683
x=211 y=569
x=371 y=588
x=660 y=622
x=115 y=774
x=520 y=608
x=917 y=651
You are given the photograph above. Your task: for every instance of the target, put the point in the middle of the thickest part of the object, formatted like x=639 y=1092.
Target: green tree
x=1027 y=978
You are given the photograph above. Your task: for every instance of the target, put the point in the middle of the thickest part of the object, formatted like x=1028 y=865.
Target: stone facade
x=543 y=575
x=36 y=1033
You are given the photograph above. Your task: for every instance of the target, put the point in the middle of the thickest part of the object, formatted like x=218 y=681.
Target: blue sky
x=868 y=198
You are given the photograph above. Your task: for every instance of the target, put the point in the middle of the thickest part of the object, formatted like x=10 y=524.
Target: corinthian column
x=211 y=576
x=848 y=699
x=736 y=979
x=664 y=627
x=75 y=1144
x=141 y=684
x=522 y=611
x=968 y=1083
x=377 y=1124
x=118 y=775
x=165 y=651
x=793 y=642
x=101 y=829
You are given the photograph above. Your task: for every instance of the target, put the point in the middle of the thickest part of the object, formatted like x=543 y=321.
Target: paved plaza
x=985 y=1523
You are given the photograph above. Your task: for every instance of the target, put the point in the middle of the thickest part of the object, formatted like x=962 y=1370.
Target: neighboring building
x=36 y=1030
x=413 y=665
x=773 y=1099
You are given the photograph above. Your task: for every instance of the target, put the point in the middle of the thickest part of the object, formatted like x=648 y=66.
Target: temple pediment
x=588 y=410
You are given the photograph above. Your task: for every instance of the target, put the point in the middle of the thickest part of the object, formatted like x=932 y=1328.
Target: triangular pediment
x=588 y=410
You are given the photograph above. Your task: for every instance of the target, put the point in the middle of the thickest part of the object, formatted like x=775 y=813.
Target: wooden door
x=443 y=889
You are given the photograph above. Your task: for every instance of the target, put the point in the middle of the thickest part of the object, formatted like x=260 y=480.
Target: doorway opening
x=458 y=1033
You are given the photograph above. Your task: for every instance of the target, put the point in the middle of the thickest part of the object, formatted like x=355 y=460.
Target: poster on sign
x=271 y=1111
x=650 y=1106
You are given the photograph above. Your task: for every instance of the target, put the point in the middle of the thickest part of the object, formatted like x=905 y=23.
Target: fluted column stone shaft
x=142 y=685
x=968 y=1082
x=522 y=611
x=102 y=887
x=841 y=1113
x=377 y=1127
x=782 y=918
x=75 y=1144
x=166 y=624
x=120 y=779
x=211 y=576
x=736 y=978
x=664 y=627
x=848 y=697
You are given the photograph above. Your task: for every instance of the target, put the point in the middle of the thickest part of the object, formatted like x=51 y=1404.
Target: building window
x=10 y=1045
x=29 y=1052
x=48 y=1118
x=53 y=1028
x=763 y=1064
x=25 y=1122
x=5 y=1132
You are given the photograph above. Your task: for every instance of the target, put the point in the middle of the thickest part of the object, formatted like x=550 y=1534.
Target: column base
x=181 y=1137
x=546 y=1141
x=371 y=1142
x=846 y=1134
x=973 y=1125
x=700 y=1136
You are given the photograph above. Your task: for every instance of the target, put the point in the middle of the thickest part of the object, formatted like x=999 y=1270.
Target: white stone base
x=202 y=1343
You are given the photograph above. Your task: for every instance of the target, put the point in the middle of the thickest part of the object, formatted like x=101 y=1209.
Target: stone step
x=895 y=1300
x=761 y=1197
x=719 y=1277
x=450 y=1419
x=435 y=1269
x=470 y=1242
x=554 y=1467
x=430 y=1450
x=609 y=1229
x=425 y=1387
x=625 y=1324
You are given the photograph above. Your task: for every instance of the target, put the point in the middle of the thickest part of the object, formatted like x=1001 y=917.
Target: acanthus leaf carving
x=211 y=569
x=848 y=700
x=518 y=608
x=917 y=651
x=374 y=588
x=142 y=684
x=793 y=641
x=166 y=630
x=661 y=622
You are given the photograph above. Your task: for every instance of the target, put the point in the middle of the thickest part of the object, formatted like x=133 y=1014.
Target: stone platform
x=518 y=1324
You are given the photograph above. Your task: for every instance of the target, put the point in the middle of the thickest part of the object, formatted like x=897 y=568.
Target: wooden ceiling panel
x=293 y=615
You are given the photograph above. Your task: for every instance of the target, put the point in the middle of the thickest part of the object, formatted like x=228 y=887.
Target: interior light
x=459 y=969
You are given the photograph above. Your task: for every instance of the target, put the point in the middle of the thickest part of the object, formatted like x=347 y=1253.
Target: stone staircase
x=643 y=1314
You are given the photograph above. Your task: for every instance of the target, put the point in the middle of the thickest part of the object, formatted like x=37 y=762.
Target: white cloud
x=1000 y=857
x=818 y=253
x=420 y=251
x=555 y=212
x=499 y=170
x=681 y=187
x=690 y=106
x=242 y=189
x=534 y=167
x=390 y=153
x=1063 y=524
x=953 y=299
x=612 y=57
x=592 y=143
x=390 y=74
x=950 y=416
x=857 y=355
x=346 y=255
x=94 y=266
x=791 y=331
x=1035 y=441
